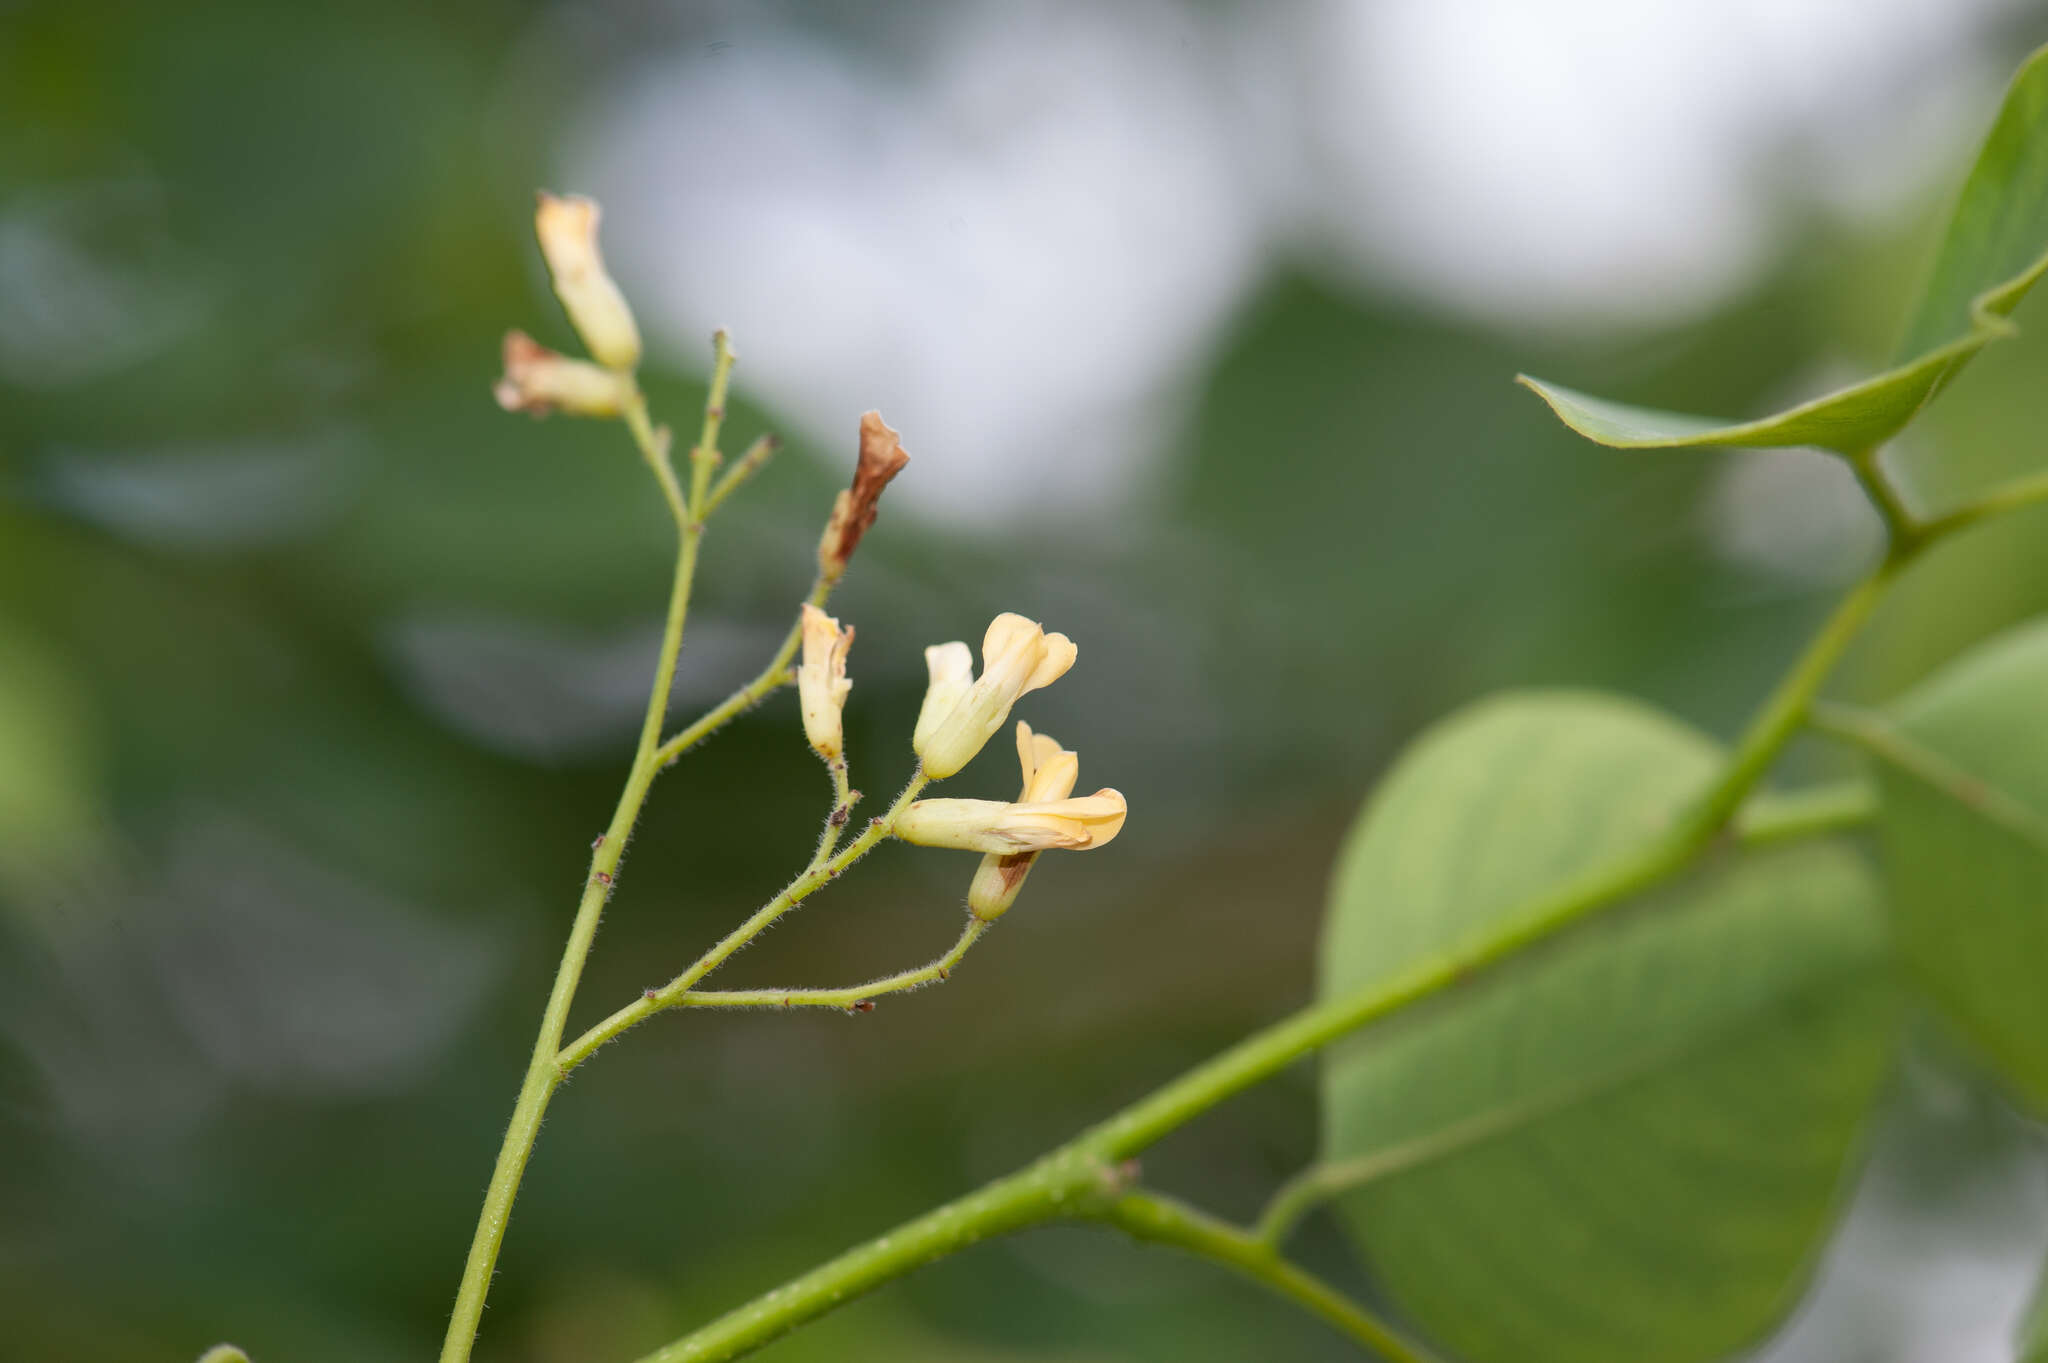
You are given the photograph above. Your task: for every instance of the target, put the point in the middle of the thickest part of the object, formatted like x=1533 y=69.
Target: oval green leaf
x=1963 y=821
x=1995 y=249
x=1627 y=1145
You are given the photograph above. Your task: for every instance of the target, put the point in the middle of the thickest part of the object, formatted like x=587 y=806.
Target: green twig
x=745 y=467
x=852 y=997
x=1899 y=521
x=704 y=455
x=1164 y=1221
x=813 y=878
x=1785 y=709
x=772 y=678
x=2014 y=496
x=1065 y=1184
x=1775 y=817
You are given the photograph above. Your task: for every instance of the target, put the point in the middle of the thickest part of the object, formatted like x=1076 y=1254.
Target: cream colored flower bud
x=957 y=718
x=951 y=671
x=996 y=827
x=821 y=682
x=539 y=380
x=567 y=228
x=1049 y=774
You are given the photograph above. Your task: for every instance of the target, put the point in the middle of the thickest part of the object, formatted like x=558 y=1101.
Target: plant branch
x=771 y=679
x=844 y=796
x=1164 y=1221
x=1065 y=1184
x=704 y=454
x=1543 y=916
x=813 y=878
x=1899 y=521
x=848 y=998
x=2014 y=496
x=745 y=467
x=653 y=443
x=1816 y=811
x=1781 y=714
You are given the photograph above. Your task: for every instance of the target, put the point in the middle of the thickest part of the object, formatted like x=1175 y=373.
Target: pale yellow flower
x=567 y=228
x=1049 y=774
x=996 y=827
x=821 y=682
x=539 y=380
x=960 y=714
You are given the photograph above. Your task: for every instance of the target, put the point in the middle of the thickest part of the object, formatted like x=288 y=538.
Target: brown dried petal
x=882 y=457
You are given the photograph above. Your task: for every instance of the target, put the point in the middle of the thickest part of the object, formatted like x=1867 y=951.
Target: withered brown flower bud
x=882 y=457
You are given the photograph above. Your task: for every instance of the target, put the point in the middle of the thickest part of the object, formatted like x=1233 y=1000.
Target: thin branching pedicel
x=958 y=718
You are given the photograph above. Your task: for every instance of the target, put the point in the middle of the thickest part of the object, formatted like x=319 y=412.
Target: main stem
x=542 y=1074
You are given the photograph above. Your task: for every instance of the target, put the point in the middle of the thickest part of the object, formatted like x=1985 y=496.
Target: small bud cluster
x=960 y=714
x=539 y=380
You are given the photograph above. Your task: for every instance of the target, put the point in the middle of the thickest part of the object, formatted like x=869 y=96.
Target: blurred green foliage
x=310 y=705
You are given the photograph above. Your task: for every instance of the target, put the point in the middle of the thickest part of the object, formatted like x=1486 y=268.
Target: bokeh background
x=318 y=673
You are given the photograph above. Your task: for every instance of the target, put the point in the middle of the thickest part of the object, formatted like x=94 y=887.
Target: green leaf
x=1964 y=827
x=1629 y=1145
x=1995 y=249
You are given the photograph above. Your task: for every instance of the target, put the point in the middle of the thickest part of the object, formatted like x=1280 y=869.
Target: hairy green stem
x=771 y=678
x=850 y=997
x=704 y=454
x=843 y=797
x=1164 y=1221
